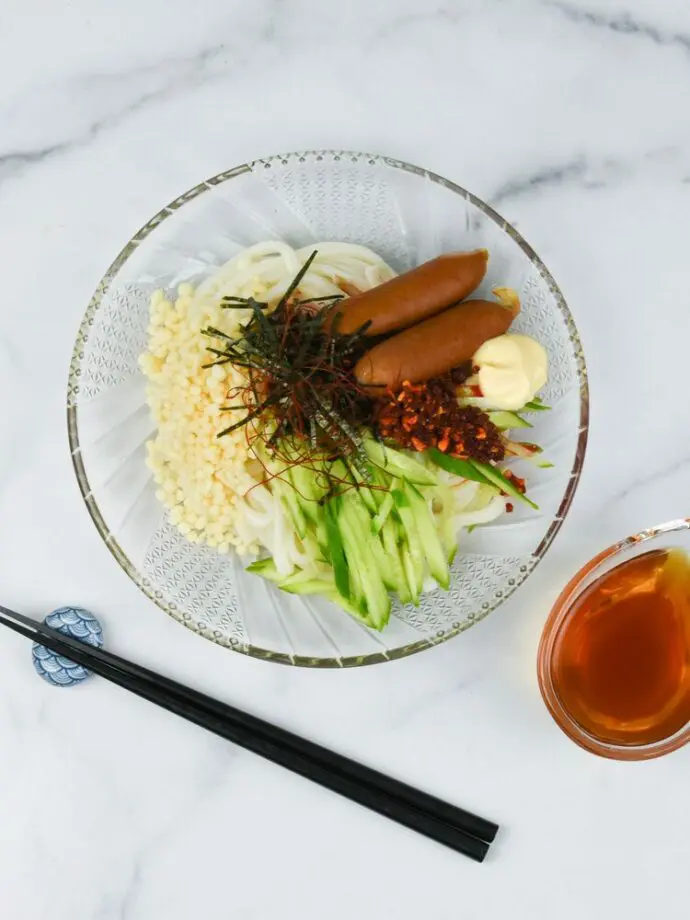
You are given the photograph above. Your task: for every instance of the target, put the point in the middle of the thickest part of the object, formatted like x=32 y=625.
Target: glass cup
x=674 y=534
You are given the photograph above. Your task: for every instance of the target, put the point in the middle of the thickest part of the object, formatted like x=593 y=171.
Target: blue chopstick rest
x=75 y=622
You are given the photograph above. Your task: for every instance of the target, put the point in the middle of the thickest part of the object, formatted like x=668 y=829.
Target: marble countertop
x=570 y=117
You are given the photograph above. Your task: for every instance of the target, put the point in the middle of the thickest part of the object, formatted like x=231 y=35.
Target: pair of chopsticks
x=456 y=828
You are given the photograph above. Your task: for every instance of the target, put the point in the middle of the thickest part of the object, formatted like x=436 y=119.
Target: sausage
x=437 y=345
x=411 y=297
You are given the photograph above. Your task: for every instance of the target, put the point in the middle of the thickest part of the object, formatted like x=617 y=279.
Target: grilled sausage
x=411 y=297
x=437 y=345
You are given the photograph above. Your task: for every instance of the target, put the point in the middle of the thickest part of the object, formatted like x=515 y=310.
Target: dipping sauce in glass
x=621 y=659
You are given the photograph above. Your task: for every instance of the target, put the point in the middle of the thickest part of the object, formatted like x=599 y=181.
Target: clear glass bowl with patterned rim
x=406 y=214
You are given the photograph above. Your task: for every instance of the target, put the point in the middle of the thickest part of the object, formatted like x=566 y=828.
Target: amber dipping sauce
x=621 y=661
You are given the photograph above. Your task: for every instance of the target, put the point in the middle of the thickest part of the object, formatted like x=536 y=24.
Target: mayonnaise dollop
x=512 y=370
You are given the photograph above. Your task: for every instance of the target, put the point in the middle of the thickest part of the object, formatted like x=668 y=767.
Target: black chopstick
x=462 y=831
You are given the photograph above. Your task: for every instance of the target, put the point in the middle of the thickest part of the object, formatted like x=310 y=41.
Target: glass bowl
x=664 y=536
x=406 y=214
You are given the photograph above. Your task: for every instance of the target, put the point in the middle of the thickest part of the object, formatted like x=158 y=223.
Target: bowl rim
x=144 y=231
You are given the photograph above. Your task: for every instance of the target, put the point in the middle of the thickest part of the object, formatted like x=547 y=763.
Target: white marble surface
x=570 y=116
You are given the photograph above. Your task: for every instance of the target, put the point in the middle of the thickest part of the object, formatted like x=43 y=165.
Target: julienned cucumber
x=535 y=405
x=412 y=548
x=479 y=472
x=426 y=528
x=381 y=516
x=310 y=490
x=365 y=491
x=359 y=551
x=370 y=537
x=457 y=466
x=497 y=478
x=336 y=550
x=371 y=542
x=290 y=499
x=390 y=537
x=398 y=464
x=505 y=420
x=266 y=568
